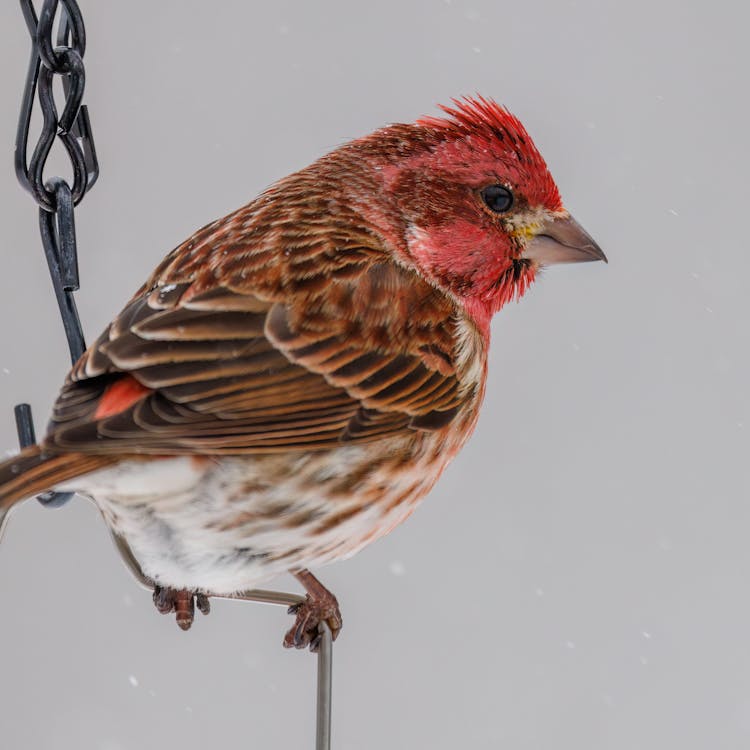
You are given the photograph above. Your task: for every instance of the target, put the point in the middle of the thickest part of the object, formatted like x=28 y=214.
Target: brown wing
x=264 y=352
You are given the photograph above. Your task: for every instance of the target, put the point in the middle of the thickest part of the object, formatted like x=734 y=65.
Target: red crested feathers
x=478 y=118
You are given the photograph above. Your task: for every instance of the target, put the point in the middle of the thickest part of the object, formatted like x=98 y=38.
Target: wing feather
x=342 y=348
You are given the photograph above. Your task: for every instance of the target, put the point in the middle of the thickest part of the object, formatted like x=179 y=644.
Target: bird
x=292 y=380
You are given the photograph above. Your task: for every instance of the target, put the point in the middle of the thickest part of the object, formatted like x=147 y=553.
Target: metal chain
x=57 y=199
x=63 y=58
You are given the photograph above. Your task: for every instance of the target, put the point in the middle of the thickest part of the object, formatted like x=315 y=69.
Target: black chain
x=56 y=197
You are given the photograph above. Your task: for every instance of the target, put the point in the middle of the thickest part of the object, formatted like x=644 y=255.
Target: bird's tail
x=32 y=471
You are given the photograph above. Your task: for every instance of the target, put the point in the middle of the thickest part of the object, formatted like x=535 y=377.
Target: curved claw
x=201 y=601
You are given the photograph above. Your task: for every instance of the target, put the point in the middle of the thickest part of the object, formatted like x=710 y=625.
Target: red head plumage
x=435 y=174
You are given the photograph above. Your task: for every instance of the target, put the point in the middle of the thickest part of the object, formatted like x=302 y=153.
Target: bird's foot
x=182 y=602
x=310 y=614
x=319 y=606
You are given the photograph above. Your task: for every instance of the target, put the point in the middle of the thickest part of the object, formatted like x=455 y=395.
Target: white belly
x=225 y=525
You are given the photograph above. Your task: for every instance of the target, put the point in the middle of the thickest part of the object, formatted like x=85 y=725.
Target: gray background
x=578 y=577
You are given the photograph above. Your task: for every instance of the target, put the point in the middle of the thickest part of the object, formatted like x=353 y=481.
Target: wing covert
x=226 y=368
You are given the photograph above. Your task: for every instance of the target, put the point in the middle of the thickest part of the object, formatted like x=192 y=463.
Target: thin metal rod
x=4 y=516
x=325 y=691
x=264 y=597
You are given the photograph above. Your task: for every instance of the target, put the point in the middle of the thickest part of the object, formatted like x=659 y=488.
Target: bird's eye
x=498 y=198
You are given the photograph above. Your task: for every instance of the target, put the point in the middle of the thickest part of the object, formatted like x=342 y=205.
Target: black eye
x=498 y=198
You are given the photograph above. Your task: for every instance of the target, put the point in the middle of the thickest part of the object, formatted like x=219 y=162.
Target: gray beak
x=563 y=241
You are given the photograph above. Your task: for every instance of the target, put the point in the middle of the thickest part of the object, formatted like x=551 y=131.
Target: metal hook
x=26 y=437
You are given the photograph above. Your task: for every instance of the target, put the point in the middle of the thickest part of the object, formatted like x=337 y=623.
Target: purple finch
x=292 y=380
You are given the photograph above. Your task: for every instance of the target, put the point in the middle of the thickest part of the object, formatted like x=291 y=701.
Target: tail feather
x=33 y=471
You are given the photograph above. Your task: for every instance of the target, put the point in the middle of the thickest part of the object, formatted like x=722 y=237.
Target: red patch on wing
x=121 y=395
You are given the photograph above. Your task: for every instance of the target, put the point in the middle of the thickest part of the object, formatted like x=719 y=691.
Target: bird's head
x=480 y=211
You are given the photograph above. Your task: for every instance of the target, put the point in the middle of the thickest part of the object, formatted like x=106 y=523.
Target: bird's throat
x=485 y=297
